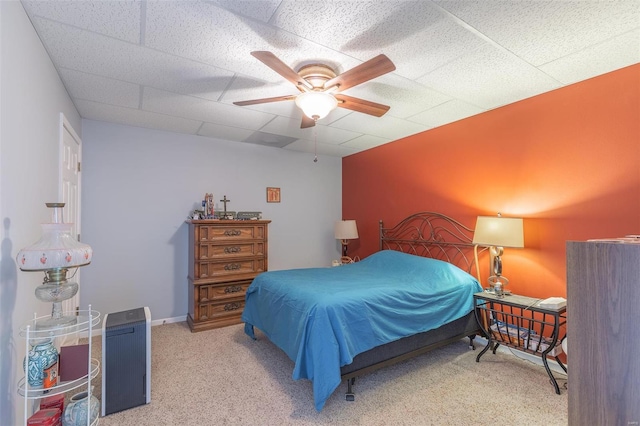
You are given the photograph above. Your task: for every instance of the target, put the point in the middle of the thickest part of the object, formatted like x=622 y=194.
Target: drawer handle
x=232 y=266
x=232 y=233
x=229 y=250
x=233 y=289
x=231 y=306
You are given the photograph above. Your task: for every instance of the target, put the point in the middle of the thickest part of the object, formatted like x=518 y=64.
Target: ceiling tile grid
x=100 y=89
x=447 y=112
x=543 y=31
x=180 y=65
x=117 y=19
x=135 y=117
x=174 y=104
x=489 y=78
x=617 y=52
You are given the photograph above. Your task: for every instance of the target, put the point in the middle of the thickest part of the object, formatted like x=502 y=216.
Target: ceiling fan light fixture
x=316 y=105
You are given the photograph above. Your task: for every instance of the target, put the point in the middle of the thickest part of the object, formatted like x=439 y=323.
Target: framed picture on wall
x=273 y=195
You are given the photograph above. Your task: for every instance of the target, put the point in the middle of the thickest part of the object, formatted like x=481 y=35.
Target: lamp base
x=497 y=284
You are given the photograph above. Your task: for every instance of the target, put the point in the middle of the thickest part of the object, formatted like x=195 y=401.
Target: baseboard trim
x=98 y=330
x=523 y=355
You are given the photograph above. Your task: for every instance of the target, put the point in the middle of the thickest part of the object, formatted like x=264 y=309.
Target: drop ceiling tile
x=405 y=97
x=317 y=20
x=261 y=10
x=228 y=133
x=325 y=134
x=453 y=59
x=92 y=53
x=416 y=36
x=209 y=34
x=117 y=19
x=489 y=78
x=447 y=112
x=135 y=117
x=385 y=127
x=608 y=56
x=206 y=33
x=542 y=31
x=95 y=88
x=305 y=145
x=364 y=142
x=169 y=103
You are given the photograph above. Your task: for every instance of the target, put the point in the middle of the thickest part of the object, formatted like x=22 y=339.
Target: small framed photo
x=273 y=195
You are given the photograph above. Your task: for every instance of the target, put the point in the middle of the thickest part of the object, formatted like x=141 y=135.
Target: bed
x=336 y=324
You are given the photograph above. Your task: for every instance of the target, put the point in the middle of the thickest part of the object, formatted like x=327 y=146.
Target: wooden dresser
x=224 y=257
x=603 y=337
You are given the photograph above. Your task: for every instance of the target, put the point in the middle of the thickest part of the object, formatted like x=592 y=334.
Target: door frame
x=65 y=125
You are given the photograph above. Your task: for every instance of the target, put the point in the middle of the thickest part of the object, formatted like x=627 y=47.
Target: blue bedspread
x=323 y=317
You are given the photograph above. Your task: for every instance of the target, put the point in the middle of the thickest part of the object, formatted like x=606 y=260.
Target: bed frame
x=436 y=236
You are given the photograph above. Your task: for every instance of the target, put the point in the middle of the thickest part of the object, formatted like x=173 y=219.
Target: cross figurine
x=225 y=201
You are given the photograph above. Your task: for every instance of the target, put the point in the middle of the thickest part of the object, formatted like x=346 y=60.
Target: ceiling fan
x=320 y=86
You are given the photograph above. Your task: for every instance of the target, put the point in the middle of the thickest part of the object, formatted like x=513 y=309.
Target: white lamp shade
x=346 y=230
x=56 y=249
x=316 y=105
x=499 y=231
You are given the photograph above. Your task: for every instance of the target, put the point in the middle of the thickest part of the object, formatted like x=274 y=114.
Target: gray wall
x=139 y=185
x=32 y=98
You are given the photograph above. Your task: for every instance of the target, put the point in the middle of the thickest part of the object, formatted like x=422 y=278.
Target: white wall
x=32 y=97
x=139 y=185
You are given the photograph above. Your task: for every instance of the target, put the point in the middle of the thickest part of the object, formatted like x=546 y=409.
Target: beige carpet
x=221 y=377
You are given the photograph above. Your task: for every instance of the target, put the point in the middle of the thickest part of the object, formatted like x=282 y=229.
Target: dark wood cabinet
x=224 y=257
x=603 y=338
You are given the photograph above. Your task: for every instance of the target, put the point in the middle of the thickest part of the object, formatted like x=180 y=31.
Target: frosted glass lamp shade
x=57 y=248
x=316 y=105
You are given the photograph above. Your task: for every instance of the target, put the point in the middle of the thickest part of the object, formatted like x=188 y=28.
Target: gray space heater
x=126 y=360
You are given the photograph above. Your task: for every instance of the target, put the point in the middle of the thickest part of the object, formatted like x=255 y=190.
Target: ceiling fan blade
x=364 y=72
x=307 y=122
x=272 y=61
x=361 y=105
x=265 y=100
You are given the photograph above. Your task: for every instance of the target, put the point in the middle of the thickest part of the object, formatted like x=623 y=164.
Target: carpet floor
x=222 y=377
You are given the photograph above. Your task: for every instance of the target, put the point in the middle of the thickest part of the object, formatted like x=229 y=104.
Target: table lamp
x=346 y=230
x=498 y=232
x=55 y=253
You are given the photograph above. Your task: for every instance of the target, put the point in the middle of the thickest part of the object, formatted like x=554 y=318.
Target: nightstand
x=518 y=322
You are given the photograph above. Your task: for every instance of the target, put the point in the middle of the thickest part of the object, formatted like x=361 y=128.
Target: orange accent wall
x=567 y=161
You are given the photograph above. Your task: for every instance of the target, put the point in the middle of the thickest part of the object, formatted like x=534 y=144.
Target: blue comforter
x=323 y=317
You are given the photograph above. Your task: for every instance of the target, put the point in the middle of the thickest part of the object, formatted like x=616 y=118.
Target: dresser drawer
x=219 y=311
x=229 y=268
x=239 y=231
x=219 y=292
x=206 y=251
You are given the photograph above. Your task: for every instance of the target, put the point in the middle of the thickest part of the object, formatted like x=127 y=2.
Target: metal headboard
x=433 y=235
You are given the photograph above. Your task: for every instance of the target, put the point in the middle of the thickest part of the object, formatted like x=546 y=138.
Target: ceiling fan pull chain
x=315 y=142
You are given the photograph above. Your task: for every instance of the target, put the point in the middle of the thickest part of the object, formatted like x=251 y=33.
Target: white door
x=69 y=191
